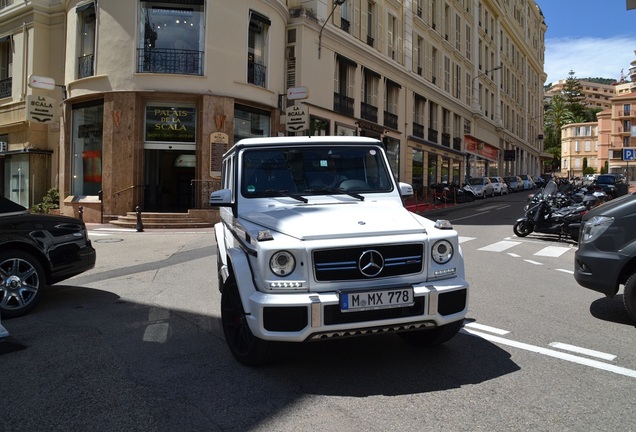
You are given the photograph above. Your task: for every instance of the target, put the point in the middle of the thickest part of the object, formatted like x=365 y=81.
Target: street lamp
x=335 y=3
x=475 y=97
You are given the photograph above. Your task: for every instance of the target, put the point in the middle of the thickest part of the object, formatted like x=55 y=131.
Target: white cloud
x=588 y=57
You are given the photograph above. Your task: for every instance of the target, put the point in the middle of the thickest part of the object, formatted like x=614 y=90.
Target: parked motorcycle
x=542 y=217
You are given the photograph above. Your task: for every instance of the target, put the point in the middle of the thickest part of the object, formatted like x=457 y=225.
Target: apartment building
x=617 y=130
x=579 y=149
x=145 y=96
x=596 y=95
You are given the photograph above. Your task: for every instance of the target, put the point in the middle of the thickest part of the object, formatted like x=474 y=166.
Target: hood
x=358 y=219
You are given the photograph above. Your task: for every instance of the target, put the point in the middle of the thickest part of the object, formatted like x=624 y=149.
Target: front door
x=168 y=175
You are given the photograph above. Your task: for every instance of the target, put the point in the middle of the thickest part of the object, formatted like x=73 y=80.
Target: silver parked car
x=515 y=184
x=482 y=186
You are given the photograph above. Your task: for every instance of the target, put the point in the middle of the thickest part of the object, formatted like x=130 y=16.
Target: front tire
x=629 y=296
x=244 y=346
x=522 y=228
x=22 y=280
x=432 y=337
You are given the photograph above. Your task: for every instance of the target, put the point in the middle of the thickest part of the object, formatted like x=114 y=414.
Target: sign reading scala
x=40 y=109
x=297 y=118
x=170 y=124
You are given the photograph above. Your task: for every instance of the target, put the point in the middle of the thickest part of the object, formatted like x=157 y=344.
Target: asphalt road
x=136 y=344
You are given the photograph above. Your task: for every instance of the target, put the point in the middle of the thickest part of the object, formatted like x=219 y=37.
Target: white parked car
x=482 y=186
x=528 y=183
x=298 y=262
x=499 y=185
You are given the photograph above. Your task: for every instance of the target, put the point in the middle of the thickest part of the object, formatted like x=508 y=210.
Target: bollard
x=80 y=211
x=140 y=224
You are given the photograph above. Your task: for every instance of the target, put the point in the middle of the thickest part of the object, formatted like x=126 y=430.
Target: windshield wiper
x=288 y=194
x=329 y=190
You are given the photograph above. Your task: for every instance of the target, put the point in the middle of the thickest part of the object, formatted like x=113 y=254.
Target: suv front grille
x=345 y=264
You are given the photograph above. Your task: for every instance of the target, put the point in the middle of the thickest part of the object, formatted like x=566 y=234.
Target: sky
x=593 y=38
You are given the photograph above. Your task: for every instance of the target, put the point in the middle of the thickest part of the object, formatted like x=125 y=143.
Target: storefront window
x=251 y=122
x=171 y=36
x=417 y=180
x=318 y=126
x=445 y=169
x=432 y=168
x=86 y=166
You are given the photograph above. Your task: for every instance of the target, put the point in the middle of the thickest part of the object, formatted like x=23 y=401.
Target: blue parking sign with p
x=629 y=154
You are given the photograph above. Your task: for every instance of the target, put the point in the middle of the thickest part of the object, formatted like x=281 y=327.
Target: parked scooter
x=541 y=217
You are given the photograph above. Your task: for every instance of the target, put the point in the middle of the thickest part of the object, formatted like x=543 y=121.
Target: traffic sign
x=629 y=154
x=40 y=82
x=297 y=118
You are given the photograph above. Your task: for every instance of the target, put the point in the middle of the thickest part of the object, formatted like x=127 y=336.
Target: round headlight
x=442 y=252
x=282 y=263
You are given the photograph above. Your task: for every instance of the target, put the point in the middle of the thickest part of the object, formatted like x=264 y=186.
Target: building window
x=6 y=67
x=86 y=40
x=391 y=100
x=392 y=37
x=343 y=86
x=171 y=37
x=370 y=23
x=369 y=106
x=86 y=165
x=419 y=55
x=251 y=122
x=257 y=49
x=319 y=126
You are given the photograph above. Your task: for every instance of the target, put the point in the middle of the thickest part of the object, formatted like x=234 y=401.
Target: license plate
x=377 y=299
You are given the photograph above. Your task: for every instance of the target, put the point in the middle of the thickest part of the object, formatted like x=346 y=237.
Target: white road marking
x=584 y=351
x=469 y=216
x=514 y=255
x=552 y=251
x=499 y=246
x=533 y=262
x=465 y=239
x=565 y=271
x=486 y=328
x=556 y=354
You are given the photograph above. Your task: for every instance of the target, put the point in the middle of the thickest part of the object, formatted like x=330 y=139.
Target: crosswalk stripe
x=552 y=251
x=463 y=239
x=499 y=246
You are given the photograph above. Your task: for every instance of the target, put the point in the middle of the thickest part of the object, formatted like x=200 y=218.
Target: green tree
x=572 y=94
x=557 y=115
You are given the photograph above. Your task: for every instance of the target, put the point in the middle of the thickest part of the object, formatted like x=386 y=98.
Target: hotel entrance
x=167 y=180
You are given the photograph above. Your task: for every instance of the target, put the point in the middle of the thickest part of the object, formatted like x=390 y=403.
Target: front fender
x=242 y=272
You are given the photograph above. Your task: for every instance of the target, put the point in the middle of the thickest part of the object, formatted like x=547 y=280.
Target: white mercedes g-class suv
x=314 y=242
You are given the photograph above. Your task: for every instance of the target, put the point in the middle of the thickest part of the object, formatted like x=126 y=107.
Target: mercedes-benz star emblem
x=371 y=263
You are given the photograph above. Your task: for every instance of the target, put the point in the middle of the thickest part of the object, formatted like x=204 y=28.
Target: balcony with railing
x=169 y=61
x=390 y=120
x=343 y=104
x=256 y=73
x=345 y=24
x=457 y=144
x=418 y=130
x=85 y=66
x=5 y=3
x=432 y=135
x=446 y=139
x=5 y=87
x=369 y=112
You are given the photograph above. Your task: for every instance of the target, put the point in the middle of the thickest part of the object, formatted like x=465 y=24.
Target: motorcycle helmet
x=590 y=201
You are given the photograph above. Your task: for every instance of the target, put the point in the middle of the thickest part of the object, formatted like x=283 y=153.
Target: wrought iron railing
x=369 y=112
x=342 y=104
x=256 y=73
x=170 y=61
x=390 y=120
x=5 y=87
x=432 y=135
x=85 y=66
x=418 y=130
x=5 y=3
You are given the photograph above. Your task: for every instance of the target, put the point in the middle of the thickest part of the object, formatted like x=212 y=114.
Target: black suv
x=606 y=257
x=611 y=184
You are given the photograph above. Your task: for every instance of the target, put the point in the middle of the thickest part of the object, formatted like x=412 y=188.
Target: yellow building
x=149 y=94
x=579 y=149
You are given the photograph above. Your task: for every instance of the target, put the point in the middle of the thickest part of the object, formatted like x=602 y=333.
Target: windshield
x=475 y=181
x=313 y=171
x=606 y=180
x=550 y=188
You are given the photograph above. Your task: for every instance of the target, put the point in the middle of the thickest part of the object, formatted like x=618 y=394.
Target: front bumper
x=597 y=270
x=298 y=317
